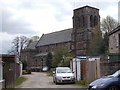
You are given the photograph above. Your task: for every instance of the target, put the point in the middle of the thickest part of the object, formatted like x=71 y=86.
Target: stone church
x=76 y=39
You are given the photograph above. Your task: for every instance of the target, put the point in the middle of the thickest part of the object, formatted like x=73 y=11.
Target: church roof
x=86 y=7
x=32 y=45
x=43 y=54
x=55 y=37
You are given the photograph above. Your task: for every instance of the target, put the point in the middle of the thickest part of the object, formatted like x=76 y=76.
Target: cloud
x=110 y=11
x=5 y=42
x=13 y=25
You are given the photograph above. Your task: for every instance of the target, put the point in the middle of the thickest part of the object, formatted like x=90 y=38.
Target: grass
x=49 y=73
x=19 y=81
x=81 y=83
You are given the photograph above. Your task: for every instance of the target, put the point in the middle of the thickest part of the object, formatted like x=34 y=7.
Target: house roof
x=31 y=45
x=6 y=55
x=55 y=37
x=115 y=30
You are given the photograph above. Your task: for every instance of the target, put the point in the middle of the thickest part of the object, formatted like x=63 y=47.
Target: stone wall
x=91 y=70
x=28 y=56
x=114 y=45
x=107 y=66
x=52 y=47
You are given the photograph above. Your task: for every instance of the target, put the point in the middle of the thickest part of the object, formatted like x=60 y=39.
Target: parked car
x=63 y=75
x=45 y=69
x=109 y=82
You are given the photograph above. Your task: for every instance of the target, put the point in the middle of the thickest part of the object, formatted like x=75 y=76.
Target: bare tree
x=108 y=24
x=19 y=43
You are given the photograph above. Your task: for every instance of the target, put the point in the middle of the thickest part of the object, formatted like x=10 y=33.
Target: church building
x=76 y=39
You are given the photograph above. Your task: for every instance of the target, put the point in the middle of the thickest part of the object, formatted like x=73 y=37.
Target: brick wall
x=114 y=42
x=107 y=66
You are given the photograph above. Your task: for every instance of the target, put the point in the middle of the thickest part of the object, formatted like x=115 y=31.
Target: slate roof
x=32 y=45
x=43 y=54
x=115 y=30
x=55 y=37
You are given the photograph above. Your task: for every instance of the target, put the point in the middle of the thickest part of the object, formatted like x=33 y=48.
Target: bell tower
x=84 y=20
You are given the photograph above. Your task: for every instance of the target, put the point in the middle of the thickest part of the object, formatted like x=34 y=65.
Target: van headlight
x=97 y=86
x=72 y=77
x=58 y=77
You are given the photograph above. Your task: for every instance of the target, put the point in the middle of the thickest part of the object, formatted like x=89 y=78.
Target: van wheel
x=53 y=80
x=56 y=82
x=113 y=88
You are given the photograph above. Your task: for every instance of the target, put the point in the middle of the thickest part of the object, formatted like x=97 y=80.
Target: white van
x=63 y=75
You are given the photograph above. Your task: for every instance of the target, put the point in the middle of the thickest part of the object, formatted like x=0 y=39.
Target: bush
x=49 y=73
x=29 y=71
x=24 y=72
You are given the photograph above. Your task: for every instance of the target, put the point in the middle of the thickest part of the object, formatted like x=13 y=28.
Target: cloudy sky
x=35 y=17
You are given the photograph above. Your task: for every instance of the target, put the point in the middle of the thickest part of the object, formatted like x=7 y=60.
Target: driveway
x=41 y=80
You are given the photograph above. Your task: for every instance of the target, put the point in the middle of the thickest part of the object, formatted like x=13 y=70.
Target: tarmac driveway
x=41 y=80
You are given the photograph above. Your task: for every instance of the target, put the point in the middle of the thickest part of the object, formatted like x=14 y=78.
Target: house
x=114 y=40
x=76 y=39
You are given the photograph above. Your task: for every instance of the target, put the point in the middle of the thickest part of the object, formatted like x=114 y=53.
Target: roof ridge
x=114 y=30
x=58 y=31
x=85 y=7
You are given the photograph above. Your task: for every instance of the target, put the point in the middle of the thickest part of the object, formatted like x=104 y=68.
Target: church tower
x=84 y=20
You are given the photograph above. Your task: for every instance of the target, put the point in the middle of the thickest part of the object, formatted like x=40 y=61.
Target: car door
x=119 y=80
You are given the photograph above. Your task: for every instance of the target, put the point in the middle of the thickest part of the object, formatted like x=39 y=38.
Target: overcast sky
x=35 y=17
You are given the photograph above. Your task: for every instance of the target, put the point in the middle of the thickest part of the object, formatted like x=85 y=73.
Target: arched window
x=91 y=21
x=82 y=21
x=77 y=21
x=95 y=21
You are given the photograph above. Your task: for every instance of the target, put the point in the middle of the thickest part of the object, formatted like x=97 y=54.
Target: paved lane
x=41 y=80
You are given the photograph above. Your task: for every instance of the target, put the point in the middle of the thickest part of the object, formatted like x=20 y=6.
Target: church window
x=95 y=21
x=82 y=21
x=91 y=21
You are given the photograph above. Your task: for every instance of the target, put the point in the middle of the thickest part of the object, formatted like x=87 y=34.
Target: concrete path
x=41 y=80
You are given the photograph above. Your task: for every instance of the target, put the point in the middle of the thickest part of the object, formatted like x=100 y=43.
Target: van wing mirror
x=53 y=72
